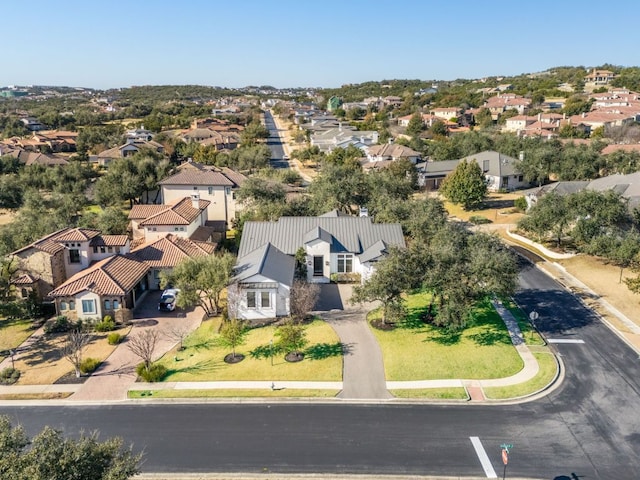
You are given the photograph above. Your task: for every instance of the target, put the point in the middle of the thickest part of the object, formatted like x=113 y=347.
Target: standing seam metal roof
x=351 y=234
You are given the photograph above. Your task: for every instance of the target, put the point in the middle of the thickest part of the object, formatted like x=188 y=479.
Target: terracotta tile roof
x=46 y=243
x=190 y=176
x=77 y=235
x=170 y=250
x=115 y=275
x=634 y=147
x=24 y=279
x=140 y=212
x=109 y=240
x=180 y=213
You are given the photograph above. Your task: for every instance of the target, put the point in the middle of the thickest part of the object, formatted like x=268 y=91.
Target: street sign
x=505 y=456
x=533 y=316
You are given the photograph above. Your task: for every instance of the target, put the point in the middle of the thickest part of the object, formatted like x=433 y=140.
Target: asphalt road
x=588 y=427
x=274 y=142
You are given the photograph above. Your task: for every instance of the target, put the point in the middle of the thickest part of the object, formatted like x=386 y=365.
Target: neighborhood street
x=588 y=426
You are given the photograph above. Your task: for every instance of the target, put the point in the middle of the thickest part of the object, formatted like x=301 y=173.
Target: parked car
x=168 y=300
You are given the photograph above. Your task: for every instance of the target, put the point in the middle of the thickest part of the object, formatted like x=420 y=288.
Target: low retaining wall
x=537 y=246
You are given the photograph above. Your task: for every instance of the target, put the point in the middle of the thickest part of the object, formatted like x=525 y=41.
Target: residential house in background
x=508 y=101
x=214 y=185
x=333 y=246
x=500 y=171
x=181 y=217
x=381 y=156
x=599 y=77
x=131 y=147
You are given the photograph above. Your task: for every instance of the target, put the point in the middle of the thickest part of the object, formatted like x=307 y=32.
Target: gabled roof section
x=267 y=261
x=335 y=213
x=181 y=212
x=109 y=241
x=350 y=234
x=197 y=176
x=169 y=251
x=46 y=244
x=77 y=235
x=317 y=233
x=374 y=252
x=114 y=275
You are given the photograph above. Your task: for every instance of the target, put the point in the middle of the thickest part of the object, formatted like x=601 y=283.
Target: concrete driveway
x=114 y=376
x=363 y=369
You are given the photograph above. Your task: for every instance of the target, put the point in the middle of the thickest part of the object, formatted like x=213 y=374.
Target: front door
x=318 y=266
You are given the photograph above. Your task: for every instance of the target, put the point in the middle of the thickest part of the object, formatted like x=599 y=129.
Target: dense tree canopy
x=466 y=185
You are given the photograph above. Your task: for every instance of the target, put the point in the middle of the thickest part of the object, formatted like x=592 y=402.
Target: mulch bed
x=231 y=358
x=380 y=325
x=294 y=357
x=70 y=378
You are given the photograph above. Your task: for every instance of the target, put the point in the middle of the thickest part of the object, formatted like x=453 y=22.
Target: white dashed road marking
x=483 y=457
x=564 y=340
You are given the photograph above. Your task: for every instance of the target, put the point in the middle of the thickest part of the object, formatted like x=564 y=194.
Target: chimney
x=390 y=141
x=195 y=200
x=521 y=155
x=540 y=117
x=364 y=212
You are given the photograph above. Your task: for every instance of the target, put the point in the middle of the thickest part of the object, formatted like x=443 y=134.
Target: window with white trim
x=345 y=263
x=265 y=300
x=88 y=306
x=251 y=300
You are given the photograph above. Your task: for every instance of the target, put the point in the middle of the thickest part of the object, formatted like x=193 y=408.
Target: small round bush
x=114 y=338
x=479 y=220
x=89 y=365
x=9 y=376
x=155 y=373
x=105 y=325
x=521 y=204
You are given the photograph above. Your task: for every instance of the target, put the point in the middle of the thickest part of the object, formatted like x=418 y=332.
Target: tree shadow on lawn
x=320 y=351
x=43 y=350
x=205 y=366
x=204 y=345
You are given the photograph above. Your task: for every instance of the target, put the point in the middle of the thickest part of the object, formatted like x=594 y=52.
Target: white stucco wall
x=222 y=206
x=315 y=249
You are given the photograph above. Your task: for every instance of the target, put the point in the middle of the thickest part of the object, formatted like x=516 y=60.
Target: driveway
x=117 y=373
x=363 y=369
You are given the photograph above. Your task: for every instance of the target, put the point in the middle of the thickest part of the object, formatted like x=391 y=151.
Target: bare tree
x=143 y=345
x=178 y=333
x=73 y=347
x=302 y=298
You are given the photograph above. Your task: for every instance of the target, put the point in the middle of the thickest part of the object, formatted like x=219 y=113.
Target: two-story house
x=214 y=185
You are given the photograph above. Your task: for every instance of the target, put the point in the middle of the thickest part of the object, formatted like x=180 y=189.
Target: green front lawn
x=231 y=393
x=203 y=360
x=432 y=393
x=12 y=333
x=418 y=351
x=546 y=374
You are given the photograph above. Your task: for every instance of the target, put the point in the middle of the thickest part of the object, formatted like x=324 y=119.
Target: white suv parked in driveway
x=168 y=300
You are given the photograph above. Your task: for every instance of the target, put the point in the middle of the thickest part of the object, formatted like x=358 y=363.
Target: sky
x=305 y=43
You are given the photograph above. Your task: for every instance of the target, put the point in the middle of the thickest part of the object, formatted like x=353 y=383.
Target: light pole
x=271 y=351
x=533 y=316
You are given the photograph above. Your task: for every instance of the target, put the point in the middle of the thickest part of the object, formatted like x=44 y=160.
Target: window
x=485 y=166
x=74 y=255
x=63 y=305
x=345 y=263
x=210 y=190
x=116 y=304
x=175 y=229
x=520 y=178
x=251 y=299
x=88 y=306
x=156 y=274
x=117 y=249
x=72 y=305
x=227 y=190
x=107 y=304
x=102 y=250
x=265 y=300
x=182 y=229
x=95 y=249
x=195 y=188
x=110 y=249
x=24 y=292
x=318 y=267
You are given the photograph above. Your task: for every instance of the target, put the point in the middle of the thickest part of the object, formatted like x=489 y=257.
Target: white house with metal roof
x=333 y=246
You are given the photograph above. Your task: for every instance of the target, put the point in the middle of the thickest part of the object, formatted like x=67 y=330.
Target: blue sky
x=286 y=43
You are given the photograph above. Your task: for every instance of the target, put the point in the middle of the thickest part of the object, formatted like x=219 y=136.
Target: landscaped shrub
x=521 y=204
x=60 y=324
x=106 y=325
x=351 y=277
x=114 y=338
x=89 y=365
x=155 y=373
x=478 y=219
x=9 y=376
